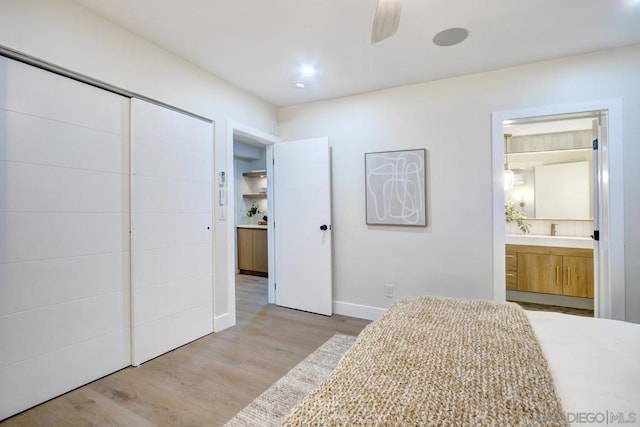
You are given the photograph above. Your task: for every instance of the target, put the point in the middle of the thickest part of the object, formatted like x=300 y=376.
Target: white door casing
x=222 y=319
x=610 y=296
x=171 y=219
x=301 y=208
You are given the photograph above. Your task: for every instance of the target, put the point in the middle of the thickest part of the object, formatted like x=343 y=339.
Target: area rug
x=272 y=406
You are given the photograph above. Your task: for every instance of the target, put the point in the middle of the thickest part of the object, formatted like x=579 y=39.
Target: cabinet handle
x=557 y=274
x=568 y=276
x=510 y=256
x=510 y=274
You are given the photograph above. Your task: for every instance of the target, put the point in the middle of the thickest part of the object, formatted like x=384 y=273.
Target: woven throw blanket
x=438 y=361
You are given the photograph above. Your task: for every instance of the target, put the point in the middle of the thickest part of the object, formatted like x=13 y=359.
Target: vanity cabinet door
x=511 y=273
x=577 y=276
x=540 y=273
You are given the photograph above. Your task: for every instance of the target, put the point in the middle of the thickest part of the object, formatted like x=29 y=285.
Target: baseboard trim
x=357 y=310
x=222 y=322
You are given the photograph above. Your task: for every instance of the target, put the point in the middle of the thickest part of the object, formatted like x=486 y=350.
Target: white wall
x=452 y=119
x=65 y=34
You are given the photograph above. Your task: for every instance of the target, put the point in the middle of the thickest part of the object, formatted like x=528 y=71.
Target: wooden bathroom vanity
x=550 y=270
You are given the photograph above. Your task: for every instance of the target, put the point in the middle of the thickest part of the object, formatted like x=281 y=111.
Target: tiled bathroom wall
x=564 y=227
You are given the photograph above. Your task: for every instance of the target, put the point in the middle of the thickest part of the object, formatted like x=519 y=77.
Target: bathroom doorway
x=550 y=199
x=558 y=194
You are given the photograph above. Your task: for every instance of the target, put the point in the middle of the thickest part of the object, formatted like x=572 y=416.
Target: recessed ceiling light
x=298 y=85
x=307 y=70
x=450 y=37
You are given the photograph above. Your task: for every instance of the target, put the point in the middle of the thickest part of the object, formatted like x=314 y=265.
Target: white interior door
x=302 y=228
x=171 y=215
x=601 y=217
x=64 y=235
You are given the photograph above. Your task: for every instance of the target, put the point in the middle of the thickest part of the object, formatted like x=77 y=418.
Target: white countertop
x=264 y=227
x=555 y=241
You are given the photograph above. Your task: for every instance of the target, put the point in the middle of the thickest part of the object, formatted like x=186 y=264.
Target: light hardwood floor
x=205 y=382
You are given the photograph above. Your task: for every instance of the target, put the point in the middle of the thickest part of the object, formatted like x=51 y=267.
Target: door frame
x=610 y=298
x=268 y=140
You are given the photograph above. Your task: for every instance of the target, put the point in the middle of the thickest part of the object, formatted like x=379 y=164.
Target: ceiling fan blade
x=386 y=19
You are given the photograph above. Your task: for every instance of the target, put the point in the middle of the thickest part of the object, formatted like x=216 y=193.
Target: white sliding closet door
x=64 y=235
x=172 y=167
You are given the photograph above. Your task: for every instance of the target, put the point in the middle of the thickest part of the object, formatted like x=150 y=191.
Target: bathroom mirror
x=552 y=173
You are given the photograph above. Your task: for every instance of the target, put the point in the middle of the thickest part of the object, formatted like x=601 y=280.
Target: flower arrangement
x=253 y=210
x=512 y=214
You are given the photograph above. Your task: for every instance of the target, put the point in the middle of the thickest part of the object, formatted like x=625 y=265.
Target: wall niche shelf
x=255 y=196
x=255 y=174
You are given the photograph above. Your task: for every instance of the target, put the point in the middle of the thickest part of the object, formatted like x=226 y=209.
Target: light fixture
x=450 y=37
x=509 y=176
x=298 y=85
x=522 y=202
x=307 y=71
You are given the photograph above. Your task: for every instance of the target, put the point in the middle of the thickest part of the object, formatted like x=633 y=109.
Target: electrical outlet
x=388 y=290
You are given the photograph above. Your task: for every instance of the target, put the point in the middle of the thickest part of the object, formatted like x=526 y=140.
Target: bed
x=595 y=364
x=445 y=361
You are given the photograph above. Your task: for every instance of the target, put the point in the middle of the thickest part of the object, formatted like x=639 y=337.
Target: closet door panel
x=167 y=160
x=36 y=380
x=24 y=336
x=166 y=333
x=38 y=93
x=171 y=264
x=30 y=236
x=171 y=223
x=64 y=222
x=164 y=147
x=63 y=189
x=169 y=298
x=55 y=281
x=162 y=195
x=36 y=140
x=167 y=230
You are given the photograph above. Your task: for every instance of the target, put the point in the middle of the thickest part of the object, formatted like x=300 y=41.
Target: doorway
x=607 y=208
x=550 y=198
x=232 y=208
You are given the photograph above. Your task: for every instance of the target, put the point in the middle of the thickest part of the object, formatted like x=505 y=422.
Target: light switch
x=222 y=197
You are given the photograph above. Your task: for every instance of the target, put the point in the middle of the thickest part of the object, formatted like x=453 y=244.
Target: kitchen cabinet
x=252 y=251
x=551 y=270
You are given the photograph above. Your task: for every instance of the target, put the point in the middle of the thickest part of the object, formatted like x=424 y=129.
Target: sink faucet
x=554 y=228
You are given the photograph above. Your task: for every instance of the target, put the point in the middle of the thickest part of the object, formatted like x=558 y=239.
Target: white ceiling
x=258 y=45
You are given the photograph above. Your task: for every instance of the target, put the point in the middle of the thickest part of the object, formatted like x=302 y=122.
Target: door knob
x=323 y=227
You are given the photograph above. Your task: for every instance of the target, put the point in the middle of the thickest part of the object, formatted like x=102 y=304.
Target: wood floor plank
x=205 y=382
x=85 y=406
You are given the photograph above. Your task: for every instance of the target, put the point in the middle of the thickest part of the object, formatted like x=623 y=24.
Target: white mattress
x=596 y=366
